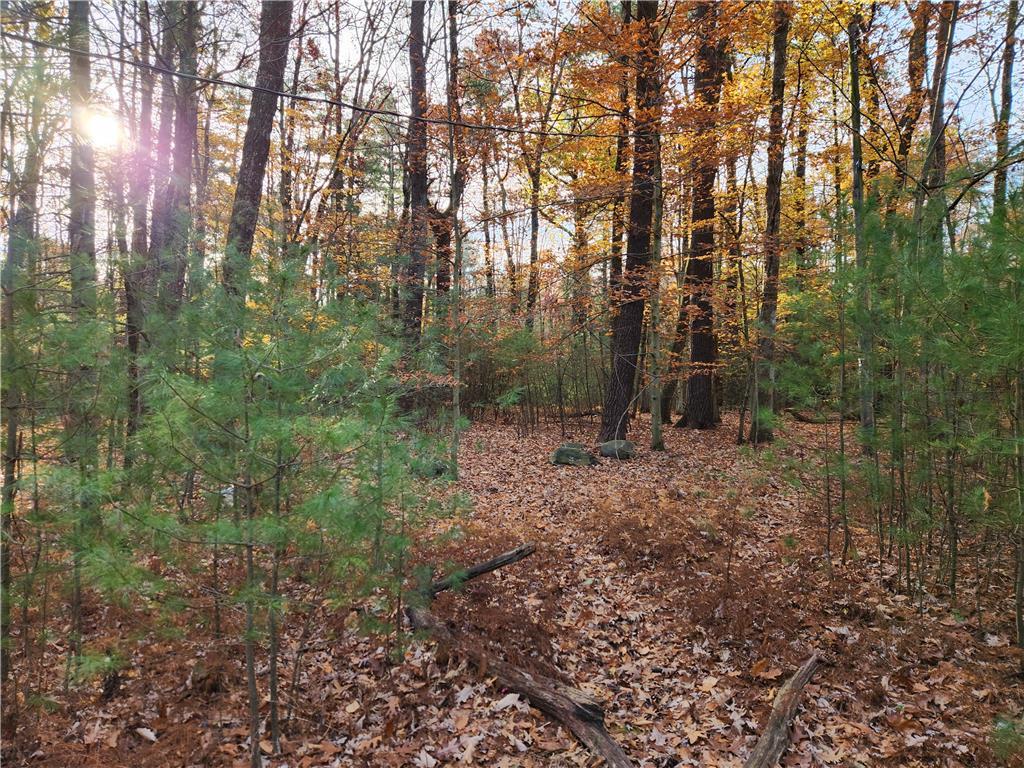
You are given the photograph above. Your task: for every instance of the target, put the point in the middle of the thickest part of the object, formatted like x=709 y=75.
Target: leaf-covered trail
x=681 y=588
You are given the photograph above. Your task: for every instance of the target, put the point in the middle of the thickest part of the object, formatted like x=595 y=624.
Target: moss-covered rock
x=573 y=455
x=618 y=449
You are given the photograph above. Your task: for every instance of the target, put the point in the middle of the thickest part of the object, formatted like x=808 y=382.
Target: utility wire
x=371 y=111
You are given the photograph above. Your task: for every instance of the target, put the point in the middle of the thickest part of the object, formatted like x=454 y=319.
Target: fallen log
x=576 y=710
x=461 y=577
x=775 y=738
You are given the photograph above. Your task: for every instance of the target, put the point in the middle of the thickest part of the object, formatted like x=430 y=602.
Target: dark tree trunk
x=441 y=227
x=627 y=325
x=416 y=158
x=800 y=204
x=762 y=397
x=701 y=410
x=163 y=199
x=137 y=279
x=275 y=25
x=174 y=258
x=1005 y=111
x=917 y=59
x=621 y=150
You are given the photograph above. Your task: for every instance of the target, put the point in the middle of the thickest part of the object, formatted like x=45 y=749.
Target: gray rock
x=573 y=455
x=618 y=449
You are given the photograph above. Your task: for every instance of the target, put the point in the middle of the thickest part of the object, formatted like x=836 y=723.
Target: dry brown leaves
x=680 y=589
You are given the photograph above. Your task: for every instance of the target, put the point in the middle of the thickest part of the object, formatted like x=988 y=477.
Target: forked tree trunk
x=627 y=325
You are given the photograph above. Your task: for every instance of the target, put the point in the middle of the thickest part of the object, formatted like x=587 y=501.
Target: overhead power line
x=371 y=111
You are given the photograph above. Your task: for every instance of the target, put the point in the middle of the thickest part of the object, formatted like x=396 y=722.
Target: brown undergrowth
x=680 y=589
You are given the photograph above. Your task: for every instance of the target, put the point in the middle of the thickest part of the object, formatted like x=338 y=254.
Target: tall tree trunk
x=701 y=410
x=286 y=187
x=865 y=341
x=1005 y=111
x=416 y=158
x=533 y=278
x=934 y=168
x=488 y=247
x=800 y=172
x=627 y=325
x=682 y=330
x=21 y=229
x=510 y=261
x=621 y=150
x=441 y=228
x=163 y=186
x=917 y=61
x=275 y=25
x=81 y=445
x=580 y=267
x=762 y=392
x=186 y=123
x=136 y=279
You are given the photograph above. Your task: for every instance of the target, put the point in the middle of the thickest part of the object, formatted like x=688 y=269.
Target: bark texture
x=275 y=24
x=762 y=397
x=627 y=325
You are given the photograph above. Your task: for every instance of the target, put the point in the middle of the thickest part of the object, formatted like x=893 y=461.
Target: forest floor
x=680 y=589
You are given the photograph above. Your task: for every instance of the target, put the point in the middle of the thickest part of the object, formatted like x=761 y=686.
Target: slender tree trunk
x=800 y=204
x=627 y=325
x=533 y=279
x=933 y=169
x=580 y=268
x=1005 y=111
x=286 y=187
x=865 y=342
x=163 y=186
x=488 y=247
x=763 y=386
x=917 y=60
x=137 y=279
x=416 y=158
x=654 y=364
x=621 y=150
x=681 y=334
x=21 y=229
x=701 y=410
x=275 y=25
x=81 y=443
x=174 y=259
x=441 y=228
x=510 y=261
x=456 y=174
